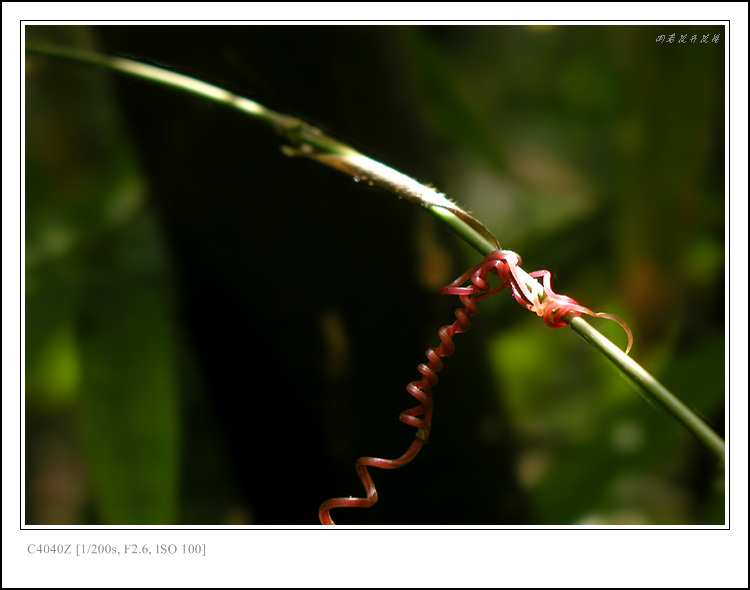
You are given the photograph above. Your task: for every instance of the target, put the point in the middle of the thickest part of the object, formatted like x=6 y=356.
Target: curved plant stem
x=307 y=141
x=653 y=390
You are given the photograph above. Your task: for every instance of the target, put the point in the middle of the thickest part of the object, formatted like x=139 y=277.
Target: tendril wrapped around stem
x=550 y=306
x=547 y=304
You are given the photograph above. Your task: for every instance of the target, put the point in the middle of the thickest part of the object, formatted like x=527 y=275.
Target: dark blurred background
x=215 y=332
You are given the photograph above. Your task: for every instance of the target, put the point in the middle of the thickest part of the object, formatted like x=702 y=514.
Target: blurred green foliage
x=611 y=170
x=99 y=333
x=593 y=151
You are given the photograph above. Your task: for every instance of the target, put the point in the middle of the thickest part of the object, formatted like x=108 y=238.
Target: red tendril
x=550 y=306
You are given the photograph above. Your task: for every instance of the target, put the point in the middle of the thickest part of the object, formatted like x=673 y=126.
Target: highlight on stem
x=304 y=140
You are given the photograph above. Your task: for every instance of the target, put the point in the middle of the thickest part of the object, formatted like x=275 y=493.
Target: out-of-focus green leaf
x=98 y=327
x=592 y=451
x=129 y=391
x=81 y=181
x=53 y=378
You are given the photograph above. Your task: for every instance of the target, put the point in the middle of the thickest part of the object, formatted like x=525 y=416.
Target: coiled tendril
x=547 y=304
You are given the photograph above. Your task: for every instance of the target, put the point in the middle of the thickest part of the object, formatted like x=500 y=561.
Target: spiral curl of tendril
x=547 y=304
